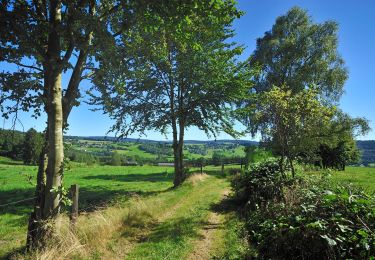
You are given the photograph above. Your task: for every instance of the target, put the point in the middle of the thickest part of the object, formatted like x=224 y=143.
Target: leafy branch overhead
x=183 y=69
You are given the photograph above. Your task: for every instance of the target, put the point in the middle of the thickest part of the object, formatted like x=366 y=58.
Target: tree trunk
x=178 y=150
x=292 y=167
x=35 y=219
x=281 y=163
x=56 y=149
x=49 y=180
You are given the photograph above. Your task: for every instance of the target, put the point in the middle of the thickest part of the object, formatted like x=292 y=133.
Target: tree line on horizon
x=167 y=66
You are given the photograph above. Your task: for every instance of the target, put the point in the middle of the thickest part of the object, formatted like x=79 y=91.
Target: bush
x=261 y=184
x=316 y=220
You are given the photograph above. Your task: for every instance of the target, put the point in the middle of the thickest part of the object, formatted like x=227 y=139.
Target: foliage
x=255 y=154
x=81 y=156
x=42 y=41
x=299 y=54
x=289 y=122
x=315 y=219
x=11 y=142
x=337 y=140
x=184 y=72
x=367 y=149
x=64 y=195
x=116 y=159
x=262 y=183
x=298 y=63
x=159 y=149
x=32 y=147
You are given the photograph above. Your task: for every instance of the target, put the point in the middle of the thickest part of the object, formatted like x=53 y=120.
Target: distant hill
x=368 y=151
x=135 y=140
x=367 y=147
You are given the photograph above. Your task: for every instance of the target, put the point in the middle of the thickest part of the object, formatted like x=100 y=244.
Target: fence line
x=15 y=202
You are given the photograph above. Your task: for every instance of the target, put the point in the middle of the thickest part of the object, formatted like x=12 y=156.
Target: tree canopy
x=42 y=41
x=288 y=122
x=183 y=72
x=299 y=53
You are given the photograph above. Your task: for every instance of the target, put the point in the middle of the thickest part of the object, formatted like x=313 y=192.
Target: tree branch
x=27 y=66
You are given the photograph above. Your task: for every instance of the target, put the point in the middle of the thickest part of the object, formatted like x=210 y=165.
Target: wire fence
x=16 y=202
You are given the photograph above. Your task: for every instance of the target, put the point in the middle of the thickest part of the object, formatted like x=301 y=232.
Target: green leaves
x=316 y=219
x=300 y=53
x=64 y=193
x=177 y=67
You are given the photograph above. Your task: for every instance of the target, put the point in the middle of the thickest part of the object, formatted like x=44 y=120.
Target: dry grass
x=195 y=178
x=94 y=231
x=117 y=231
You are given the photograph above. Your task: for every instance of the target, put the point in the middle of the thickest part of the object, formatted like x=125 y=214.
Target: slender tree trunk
x=56 y=149
x=292 y=167
x=178 y=163
x=49 y=180
x=281 y=163
x=178 y=151
x=35 y=219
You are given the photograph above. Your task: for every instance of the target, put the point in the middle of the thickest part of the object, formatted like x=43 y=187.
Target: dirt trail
x=192 y=197
x=211 y=232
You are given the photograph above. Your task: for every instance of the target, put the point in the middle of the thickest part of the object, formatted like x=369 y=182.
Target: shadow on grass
x=92 y=198
x=175 y=230
x=12 y=163
x=23 y=207
x=226 y=205
x=152 y=177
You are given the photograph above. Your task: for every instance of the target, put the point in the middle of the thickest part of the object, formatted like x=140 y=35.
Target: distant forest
x=12 y=146
x=367 y=151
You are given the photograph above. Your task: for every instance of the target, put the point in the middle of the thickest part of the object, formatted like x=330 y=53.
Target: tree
x=184 y=73
x=44 y=40
x=298 y=60
x=298 y=53
x=249 y=155
x=32 y=147
x=337 y=140
x=289 y=122
x=254 y=154
x=116 y=159
x=11 y=144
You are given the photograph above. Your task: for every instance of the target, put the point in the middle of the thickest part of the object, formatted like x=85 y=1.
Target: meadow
x=109 y=187
x=144 y=217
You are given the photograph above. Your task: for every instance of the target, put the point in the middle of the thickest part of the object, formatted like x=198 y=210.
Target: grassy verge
x=160 y=226
x=99 y=186
x=134 y=199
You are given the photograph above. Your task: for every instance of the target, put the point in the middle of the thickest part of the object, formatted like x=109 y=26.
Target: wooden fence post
x=201 y=168
x=74 y=191
x=222 y=169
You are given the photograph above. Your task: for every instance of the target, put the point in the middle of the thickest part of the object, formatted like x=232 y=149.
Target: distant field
x=362 y=176
x=132 y=149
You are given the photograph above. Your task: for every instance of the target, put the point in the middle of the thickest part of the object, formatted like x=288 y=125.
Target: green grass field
x=104 y=186
x=98 y=186
x=362 y=176
x=173 y=219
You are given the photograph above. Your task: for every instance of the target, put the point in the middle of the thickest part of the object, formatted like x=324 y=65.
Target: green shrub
x=316 y=220
x=261 y=184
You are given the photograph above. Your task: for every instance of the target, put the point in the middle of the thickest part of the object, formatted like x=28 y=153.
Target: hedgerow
x=305 y=218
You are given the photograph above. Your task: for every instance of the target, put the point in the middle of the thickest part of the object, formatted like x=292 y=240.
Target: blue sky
x=356 y=21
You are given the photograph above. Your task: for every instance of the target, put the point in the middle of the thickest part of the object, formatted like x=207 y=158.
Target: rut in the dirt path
x=211 y=233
